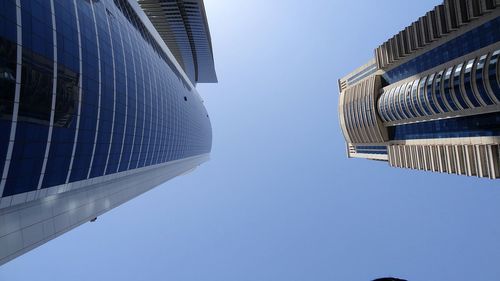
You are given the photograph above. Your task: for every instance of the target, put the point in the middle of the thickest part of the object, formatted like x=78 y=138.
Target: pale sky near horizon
x=279 y=200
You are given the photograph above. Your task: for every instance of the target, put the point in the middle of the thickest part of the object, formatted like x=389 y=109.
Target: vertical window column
x=112 y=133
x=161 y=94
x=136 y=98
x=126 y=98
x=493 y=74
x=144 y=110
x=100 y=89
x=54 y=94
x=150 y=109
x=80 y=79
x=17 y=92
x=155 y=104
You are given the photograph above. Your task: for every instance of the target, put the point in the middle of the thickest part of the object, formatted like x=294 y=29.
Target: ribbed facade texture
x=430 y=98
x=93 y=98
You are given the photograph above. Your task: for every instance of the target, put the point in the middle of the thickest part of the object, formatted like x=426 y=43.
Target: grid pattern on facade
x=92 y=97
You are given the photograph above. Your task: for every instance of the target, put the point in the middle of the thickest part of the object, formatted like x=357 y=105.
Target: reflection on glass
x=409 y=100
x=402 y=102
x=422 y=96
x=468 y=85
x=479 y=80
x=456 y=87
x=430 y=98
x=493 y=74
x=414 y=99
x=438 y=92
x=447 y=89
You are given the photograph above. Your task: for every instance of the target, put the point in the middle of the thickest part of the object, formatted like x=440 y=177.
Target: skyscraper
x=97 y=105
x=430 y=97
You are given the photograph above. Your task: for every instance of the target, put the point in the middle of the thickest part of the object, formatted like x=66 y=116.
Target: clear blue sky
x=279 y=200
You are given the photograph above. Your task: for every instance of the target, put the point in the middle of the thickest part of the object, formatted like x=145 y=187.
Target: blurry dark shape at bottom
x=389 y=279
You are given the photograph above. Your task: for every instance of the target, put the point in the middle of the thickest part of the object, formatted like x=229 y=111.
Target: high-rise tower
x=430 y=97
x=97 y=105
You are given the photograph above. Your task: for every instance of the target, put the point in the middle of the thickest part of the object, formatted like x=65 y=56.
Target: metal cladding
x=184 y=28
x=430 y=98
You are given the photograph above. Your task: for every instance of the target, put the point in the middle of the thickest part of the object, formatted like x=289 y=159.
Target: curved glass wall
x=472 y=84
x=118 y=103
x=421 y=96
x=430 y=97
x=494 y=74
x=457 y=90
x=468 y=85
x=437 y=93
x=479 y=80
x=448 y=90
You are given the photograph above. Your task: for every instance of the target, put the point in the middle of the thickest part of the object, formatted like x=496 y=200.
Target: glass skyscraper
x=97 y=105
x=430 y=98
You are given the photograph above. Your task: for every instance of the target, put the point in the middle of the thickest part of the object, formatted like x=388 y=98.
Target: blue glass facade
x=462 y=127
x=466 y=43
x=371 y=149
x=471 y=84
x=450 y=90
x=118 y=102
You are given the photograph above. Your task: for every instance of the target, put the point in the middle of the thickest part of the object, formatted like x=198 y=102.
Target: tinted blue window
x=392 y=107
x=421 y=94
x=493 y=75
x=414 y=98
x=447 y=87
x=27 y=158
x=401 y=99
x=438 y=93
x=480 y=82
x=152 y=121
x=8 y=30
x=456 y=86
x=470 y=126
x=90 y=92
x=430 y=97
x=468 y=84
x=119 y=96
x=468 y=42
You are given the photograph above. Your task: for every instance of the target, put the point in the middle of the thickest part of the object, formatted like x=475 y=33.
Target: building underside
x=430 y=98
